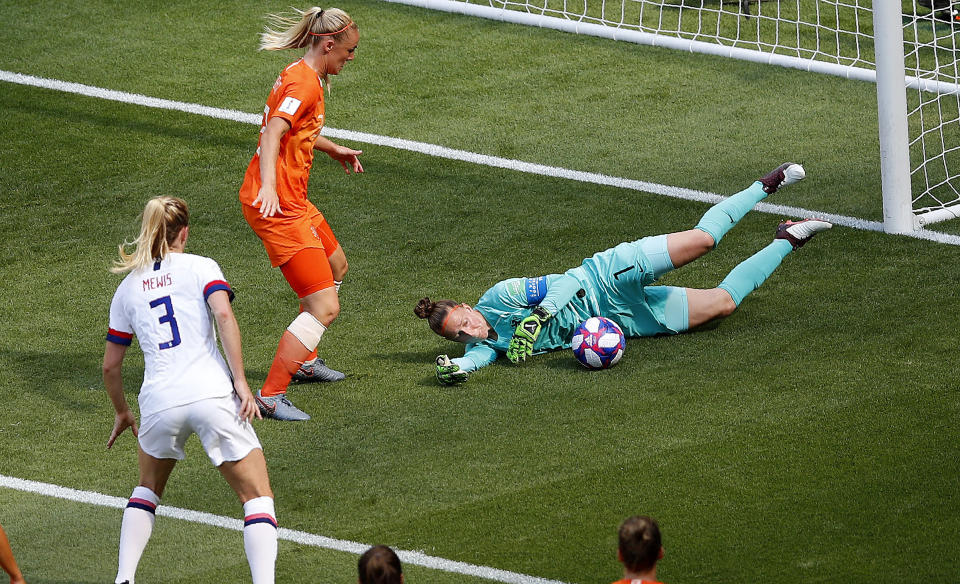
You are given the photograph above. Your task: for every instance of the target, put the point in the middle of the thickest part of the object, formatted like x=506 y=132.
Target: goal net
x=914 y=64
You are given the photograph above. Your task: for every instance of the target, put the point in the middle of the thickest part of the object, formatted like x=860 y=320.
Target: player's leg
x=7 y=562
x=707 y=305
x=140 y=513
x=338 y=265
x=313 y=368
x=248 y=478
x=720 y=218
x=233 y=447
x=686 y=246
x=309 y=274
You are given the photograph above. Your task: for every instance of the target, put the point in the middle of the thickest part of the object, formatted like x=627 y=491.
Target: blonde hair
x=163 y=218
x=304 y=28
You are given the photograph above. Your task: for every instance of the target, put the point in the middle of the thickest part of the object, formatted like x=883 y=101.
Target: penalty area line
x=464 y=156
x=300 y=537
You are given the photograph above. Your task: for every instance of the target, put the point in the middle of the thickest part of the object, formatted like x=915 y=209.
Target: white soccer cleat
x=800 y=232
x=783 y=175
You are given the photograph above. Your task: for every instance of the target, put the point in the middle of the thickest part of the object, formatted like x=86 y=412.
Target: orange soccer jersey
x=297 y=97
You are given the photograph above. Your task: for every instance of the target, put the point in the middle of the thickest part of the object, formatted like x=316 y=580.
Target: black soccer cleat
x=783 y=175
x=800 y=232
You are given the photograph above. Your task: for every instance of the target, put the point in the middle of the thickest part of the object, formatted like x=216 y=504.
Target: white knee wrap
x=307 y=329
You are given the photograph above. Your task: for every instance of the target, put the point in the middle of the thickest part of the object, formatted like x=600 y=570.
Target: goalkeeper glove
x=521 y=345
x=449 y=373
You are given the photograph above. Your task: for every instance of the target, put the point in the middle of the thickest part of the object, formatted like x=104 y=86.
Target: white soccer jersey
x=165 y=305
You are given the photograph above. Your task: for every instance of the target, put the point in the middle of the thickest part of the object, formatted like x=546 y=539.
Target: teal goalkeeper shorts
x=622 y=278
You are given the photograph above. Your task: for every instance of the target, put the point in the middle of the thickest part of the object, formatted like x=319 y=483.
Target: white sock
x=260 y=538
x=337 y=284
x=135 y=530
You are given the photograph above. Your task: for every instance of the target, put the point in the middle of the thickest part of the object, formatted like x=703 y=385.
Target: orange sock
x=290 y=355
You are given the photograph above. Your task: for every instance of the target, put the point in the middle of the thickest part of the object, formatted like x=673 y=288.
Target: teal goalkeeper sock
x=753 y=271
x=720 y=218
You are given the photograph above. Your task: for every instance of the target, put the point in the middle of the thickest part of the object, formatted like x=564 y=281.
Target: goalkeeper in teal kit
x=520 y=317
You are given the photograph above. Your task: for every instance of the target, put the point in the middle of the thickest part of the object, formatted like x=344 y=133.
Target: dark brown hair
x=434 y=312
x=639 y=543
x=380 y=565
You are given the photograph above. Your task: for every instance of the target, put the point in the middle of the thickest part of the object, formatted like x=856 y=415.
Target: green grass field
x=810 y=437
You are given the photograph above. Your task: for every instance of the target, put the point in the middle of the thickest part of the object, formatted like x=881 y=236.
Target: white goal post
x=914 y=65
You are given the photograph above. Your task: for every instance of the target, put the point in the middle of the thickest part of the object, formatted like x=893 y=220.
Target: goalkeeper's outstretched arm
x=456 y=371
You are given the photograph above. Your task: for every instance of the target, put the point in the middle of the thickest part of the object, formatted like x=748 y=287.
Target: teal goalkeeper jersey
x=510 y=301
x=611 y=283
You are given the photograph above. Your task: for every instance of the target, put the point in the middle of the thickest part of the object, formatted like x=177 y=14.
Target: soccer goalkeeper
x=520 y=317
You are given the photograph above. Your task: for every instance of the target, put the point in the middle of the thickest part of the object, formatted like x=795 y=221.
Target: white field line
x=462 y=155
x=300 y=537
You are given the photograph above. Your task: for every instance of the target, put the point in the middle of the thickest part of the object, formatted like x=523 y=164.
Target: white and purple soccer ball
x=598 y=343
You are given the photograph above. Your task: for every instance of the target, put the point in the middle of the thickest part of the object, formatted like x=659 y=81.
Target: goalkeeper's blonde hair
x=163 y=218
x=304 y=28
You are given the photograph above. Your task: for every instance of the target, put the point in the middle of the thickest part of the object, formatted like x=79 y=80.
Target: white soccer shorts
x=216 y=421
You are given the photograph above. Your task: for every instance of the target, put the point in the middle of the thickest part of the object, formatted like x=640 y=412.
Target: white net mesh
x=831 y=36
x=930 y=39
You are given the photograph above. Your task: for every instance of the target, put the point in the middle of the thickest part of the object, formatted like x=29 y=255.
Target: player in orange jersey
x=639 y=549
x=295 y=234
x=7 y=562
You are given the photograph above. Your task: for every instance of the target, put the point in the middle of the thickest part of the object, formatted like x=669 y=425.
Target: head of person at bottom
x=639 y=548
x=379 y=565
x=454 y=321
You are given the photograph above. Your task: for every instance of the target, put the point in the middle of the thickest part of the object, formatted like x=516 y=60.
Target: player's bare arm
x=347 y=157
x=267 y=199
x=113 y=381
x=219 y=303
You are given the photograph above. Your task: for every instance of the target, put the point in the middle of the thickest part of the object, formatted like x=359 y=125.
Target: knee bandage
x=307 y=329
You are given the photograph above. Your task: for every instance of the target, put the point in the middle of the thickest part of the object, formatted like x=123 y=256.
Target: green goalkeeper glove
x=521 y=345
x=449 y=373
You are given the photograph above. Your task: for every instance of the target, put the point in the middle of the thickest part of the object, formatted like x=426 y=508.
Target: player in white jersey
x=171 y=300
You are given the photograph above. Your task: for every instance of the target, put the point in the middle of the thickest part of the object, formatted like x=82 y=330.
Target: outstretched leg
x=720 y=218
x=686 y=246
x=706 y=305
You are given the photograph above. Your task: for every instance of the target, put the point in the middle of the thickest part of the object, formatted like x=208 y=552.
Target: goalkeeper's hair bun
x=424 y=307
x=434 y=312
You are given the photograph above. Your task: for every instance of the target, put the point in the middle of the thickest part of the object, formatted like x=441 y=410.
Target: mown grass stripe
x=462 y=155
x=300 y=537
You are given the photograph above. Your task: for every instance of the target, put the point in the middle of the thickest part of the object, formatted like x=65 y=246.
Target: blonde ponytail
x=163 y=218
x=304 y=28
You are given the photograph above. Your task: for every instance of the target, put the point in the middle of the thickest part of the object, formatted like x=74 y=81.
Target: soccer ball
x=598 y=343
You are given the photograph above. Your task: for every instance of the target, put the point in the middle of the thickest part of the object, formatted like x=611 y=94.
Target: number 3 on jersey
x=168 y=318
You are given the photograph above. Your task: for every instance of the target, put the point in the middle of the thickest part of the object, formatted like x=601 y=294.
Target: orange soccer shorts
x=308 y=271
x=299 y=245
